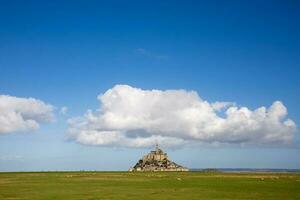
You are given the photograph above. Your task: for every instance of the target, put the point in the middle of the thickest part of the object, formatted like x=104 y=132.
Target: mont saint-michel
x=157 y=160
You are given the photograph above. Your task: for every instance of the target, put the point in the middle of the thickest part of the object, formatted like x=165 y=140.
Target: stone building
x=156 y=160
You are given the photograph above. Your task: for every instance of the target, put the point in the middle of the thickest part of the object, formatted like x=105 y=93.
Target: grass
x=167 y=185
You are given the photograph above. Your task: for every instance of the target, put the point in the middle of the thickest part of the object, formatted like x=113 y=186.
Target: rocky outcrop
x=156 y=160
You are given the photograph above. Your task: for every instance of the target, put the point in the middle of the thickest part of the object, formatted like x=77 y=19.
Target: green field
x=168 y=185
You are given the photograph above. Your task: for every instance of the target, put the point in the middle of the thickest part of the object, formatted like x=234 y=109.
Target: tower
x=156 y=147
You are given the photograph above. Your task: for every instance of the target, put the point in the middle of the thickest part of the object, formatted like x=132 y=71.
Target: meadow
x=168 y=185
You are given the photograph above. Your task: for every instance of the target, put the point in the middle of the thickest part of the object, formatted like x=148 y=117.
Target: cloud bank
x=132 y=117
x=22 y=114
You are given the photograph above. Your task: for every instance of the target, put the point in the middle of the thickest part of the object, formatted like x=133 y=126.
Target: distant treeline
x=243 y=170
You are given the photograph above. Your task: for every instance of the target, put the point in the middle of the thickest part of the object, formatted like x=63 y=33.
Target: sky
x=94 y=85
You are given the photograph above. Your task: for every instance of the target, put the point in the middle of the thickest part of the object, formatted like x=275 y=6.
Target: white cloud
x=22 y=114
x=63 y=110
x=218 y=106
x=133 y=117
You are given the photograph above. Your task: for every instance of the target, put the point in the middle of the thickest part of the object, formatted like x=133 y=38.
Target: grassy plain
x=167 y=185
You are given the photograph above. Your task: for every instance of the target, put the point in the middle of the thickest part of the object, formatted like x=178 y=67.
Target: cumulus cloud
x=23 y=114
x=132 y=117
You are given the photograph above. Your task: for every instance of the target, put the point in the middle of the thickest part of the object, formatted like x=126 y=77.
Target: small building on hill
x=157 y=160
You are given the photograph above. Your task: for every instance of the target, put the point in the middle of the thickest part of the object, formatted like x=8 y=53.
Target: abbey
x=157 y=160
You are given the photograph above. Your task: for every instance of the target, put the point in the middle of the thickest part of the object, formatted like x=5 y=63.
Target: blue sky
x=67 y=53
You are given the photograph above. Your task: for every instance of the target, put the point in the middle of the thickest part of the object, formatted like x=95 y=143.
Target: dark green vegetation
x=167 y=185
